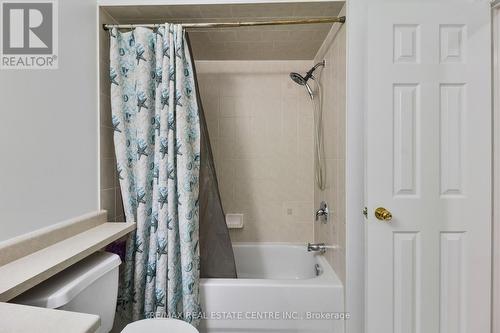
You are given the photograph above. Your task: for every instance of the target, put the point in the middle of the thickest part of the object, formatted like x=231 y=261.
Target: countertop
x=27 y=271
x=16 y=318
x=24 y=273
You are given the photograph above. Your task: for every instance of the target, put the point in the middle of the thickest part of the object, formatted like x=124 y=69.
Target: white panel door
x=429 y=164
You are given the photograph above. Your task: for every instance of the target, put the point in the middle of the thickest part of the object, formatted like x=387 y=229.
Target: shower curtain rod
x=340 y=19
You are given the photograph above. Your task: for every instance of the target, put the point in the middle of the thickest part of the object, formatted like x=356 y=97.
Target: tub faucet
x=316 y=247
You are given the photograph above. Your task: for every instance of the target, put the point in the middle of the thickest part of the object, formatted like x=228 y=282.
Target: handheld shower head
x=302 y=80
x=318 y=120
x=297 y=78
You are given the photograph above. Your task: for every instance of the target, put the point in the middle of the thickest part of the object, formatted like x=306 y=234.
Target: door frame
x=355 y=165
x=495 y=17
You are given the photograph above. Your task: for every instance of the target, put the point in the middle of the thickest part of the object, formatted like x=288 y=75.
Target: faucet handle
x=322 y=212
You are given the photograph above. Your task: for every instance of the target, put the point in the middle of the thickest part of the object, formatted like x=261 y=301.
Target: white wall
x=48 y=131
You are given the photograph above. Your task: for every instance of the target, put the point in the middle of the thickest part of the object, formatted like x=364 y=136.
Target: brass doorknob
x=383 y=214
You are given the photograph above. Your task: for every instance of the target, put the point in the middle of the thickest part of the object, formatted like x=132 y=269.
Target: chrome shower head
x=297 y=78
x=302 y=80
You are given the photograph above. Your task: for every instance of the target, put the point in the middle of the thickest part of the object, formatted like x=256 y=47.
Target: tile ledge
x=26 y=272
x=23 y=245
x=28 y=319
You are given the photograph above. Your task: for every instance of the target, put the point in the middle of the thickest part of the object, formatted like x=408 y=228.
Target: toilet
x=91 y=286
x=159 y=326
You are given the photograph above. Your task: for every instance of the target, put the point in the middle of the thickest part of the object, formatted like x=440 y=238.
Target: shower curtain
x=160 y=145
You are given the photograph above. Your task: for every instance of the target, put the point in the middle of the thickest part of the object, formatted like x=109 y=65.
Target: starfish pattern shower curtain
x=157 y=144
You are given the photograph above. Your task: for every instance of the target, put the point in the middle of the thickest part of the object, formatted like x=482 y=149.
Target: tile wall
x=333 y=80
x=261 y=130
x=109 y=187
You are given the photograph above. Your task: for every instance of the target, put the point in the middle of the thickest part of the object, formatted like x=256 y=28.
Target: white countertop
x=16 y=318
x=26 y=272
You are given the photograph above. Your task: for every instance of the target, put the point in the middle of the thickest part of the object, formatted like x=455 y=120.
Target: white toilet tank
x=89 y=286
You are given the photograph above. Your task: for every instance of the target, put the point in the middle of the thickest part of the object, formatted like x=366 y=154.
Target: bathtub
x=280 y=288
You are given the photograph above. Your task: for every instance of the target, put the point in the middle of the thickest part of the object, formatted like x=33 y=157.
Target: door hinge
x=365 y=212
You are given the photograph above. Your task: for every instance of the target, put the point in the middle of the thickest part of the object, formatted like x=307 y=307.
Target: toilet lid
x=159 y=326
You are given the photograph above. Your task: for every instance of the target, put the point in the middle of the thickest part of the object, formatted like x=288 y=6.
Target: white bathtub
x=278 y=290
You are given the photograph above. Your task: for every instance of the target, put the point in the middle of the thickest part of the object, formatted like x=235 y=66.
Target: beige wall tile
x=333 y=79
x=108 y=182
x=211 y=107
x=104 y=82
x=119 y=212
x=262 y=173
x=105 y=110
x=260 y=125
x=107 y=173
x=108 y=203
x=248 y=43
x=228 y=106
x=106 y=143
